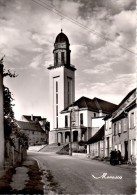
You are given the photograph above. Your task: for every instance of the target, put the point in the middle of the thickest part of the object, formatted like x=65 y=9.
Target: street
x=74 y=175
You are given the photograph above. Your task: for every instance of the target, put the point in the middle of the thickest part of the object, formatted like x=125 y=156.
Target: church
x=71 y=120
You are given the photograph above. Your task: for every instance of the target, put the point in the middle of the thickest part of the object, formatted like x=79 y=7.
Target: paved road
x=76 y=176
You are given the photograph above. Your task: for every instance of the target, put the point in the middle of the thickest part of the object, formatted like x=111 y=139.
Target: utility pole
x=72 y=119
x=70 y=144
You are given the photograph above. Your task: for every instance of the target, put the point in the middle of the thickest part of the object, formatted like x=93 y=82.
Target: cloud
x=104 y=69
x=36 y=61
x=99 y=69
x=120 y=85
x=62 y=6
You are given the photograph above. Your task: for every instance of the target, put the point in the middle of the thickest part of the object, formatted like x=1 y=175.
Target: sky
x=102 y=36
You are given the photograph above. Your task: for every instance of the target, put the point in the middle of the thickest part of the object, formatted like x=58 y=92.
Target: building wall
x=132 y=132
x=63 y=76
x=52 y=137
x=69 y=85
x=35 y=136
x=108 y=139
x=124 y=133
x=96 y=149
x=97 y=123
x=92 y=124
x=1 y=118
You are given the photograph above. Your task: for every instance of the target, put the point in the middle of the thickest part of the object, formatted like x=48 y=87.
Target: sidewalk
x=84 y=157
x=25 y=178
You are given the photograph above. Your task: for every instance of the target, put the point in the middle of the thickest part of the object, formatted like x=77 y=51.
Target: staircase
x=53 y=147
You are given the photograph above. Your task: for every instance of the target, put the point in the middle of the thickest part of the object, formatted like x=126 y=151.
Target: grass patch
x=5 y=180
x=34 y=185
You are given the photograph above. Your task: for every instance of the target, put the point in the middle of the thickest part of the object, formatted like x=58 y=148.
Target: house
x=42 y=121
x=33 y=130
x=95 y=145
x=118 y=131
x=85 y=116
x=108 y=136
x=124 y=126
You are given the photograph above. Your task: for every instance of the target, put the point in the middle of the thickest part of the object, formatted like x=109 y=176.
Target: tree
x=11 y=130
x=9 y=119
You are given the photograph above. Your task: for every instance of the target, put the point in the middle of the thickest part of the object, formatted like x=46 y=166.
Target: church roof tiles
x=94 y=104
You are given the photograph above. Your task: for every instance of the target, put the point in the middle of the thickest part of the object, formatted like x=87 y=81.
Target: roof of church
x=98 y=136
x=29 y=126
x=61 y=38
x=94 y=104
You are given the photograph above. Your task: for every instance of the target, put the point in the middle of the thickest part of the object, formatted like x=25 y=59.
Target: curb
x=37 y=162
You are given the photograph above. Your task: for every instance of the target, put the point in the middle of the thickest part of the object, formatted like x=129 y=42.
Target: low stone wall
x=14 y=154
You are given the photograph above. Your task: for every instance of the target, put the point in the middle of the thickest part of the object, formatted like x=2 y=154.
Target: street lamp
x=72 y=119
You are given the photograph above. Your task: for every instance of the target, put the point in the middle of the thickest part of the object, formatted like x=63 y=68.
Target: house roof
x=28 y=117
x=29 y=126
x=95 y=104
x=108 y=116
x=123 y=114
x=98 y=136
x=127 y=96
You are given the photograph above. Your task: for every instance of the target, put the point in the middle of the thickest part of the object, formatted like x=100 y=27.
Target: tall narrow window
x=56 y=86
x=62 y=57
x=56 y=110
x=57 y=121
x=56 y=98
x=132 y=122
x=56 y=58
x=125 y=126
x=114 y=128
x=81 y=119
x=56 y=104
x=119 y=127
x=66 y=121
x=68 y=93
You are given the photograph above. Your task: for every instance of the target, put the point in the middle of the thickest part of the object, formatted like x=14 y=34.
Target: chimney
x=31 y=117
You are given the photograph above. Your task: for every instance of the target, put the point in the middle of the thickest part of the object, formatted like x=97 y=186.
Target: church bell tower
x=62 y=83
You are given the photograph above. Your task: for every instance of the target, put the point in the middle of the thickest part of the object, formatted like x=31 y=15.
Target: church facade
x=71 y=120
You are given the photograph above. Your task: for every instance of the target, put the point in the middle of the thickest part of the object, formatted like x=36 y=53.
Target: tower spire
x=61 y=30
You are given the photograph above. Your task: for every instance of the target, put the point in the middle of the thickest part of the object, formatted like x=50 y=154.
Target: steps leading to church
x=53 y=147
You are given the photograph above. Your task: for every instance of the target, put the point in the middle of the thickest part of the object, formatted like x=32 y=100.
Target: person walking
x=119 y=156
